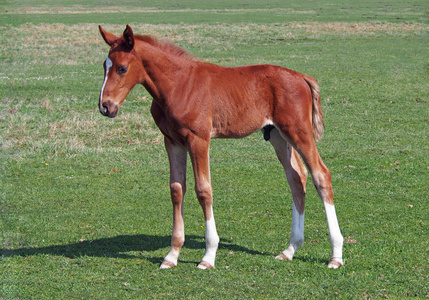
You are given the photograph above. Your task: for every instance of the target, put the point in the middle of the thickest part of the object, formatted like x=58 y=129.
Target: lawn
x=84 y=200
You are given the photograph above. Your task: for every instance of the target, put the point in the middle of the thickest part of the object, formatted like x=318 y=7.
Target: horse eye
x=122 y=70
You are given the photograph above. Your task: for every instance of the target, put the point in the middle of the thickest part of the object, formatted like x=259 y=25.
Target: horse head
x=122 y=71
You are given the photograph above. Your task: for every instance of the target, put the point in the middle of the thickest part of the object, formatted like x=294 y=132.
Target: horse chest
x=178 y=126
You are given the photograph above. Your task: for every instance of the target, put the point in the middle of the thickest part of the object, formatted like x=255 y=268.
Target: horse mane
x=165 y=46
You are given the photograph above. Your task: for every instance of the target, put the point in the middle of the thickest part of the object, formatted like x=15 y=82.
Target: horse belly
x=238 y=125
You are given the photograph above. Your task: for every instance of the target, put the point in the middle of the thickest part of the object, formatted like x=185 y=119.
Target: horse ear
x=129 y=37
x=109 y=38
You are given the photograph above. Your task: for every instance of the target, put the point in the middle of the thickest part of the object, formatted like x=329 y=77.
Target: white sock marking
x=334 y=233
x=297 y=233
x=212 y=241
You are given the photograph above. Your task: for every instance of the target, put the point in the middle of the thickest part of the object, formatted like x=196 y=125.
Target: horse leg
x=199 y=154
x=306 y=147
x=177 y=156
x=296 y=175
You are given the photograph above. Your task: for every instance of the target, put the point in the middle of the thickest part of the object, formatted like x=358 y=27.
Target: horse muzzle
x=109 y=109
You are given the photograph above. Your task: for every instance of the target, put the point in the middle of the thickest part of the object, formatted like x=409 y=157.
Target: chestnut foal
x=194 y=101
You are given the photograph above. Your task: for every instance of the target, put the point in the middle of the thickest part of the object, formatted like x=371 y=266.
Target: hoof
x=282 y=256
x=335 y=264
x=205 y=265
x=167 y=265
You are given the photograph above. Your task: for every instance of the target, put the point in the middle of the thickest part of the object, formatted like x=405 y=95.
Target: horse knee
x=177 y=191
x=204 y=192
x=204 y=195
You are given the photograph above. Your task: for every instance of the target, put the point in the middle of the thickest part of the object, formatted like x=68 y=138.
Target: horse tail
x=317 y=114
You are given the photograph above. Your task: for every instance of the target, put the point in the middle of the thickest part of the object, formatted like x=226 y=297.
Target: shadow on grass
x=117 y=247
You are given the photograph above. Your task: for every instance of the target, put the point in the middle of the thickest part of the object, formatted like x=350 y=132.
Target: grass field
x=84 y=200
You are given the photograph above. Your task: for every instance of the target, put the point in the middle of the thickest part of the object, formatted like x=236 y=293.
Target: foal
x=194 y=101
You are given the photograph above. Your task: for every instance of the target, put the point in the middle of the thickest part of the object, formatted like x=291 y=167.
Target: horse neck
x=163 y=70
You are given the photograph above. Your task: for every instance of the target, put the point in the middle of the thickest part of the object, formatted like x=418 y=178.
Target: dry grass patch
x=94 y=132
x=81 y=44
x=360 y=28
x=50 y=44
x=80 y=9
x=78 y=133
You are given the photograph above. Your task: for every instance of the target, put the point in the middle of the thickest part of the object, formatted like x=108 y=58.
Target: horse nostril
x=105 y=110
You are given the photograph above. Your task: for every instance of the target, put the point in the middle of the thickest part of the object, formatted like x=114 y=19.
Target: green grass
x=84 y=200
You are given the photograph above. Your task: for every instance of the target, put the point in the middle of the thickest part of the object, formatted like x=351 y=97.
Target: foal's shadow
x=119 y=246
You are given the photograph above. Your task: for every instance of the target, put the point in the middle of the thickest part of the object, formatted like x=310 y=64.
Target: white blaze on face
x=107 y=65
